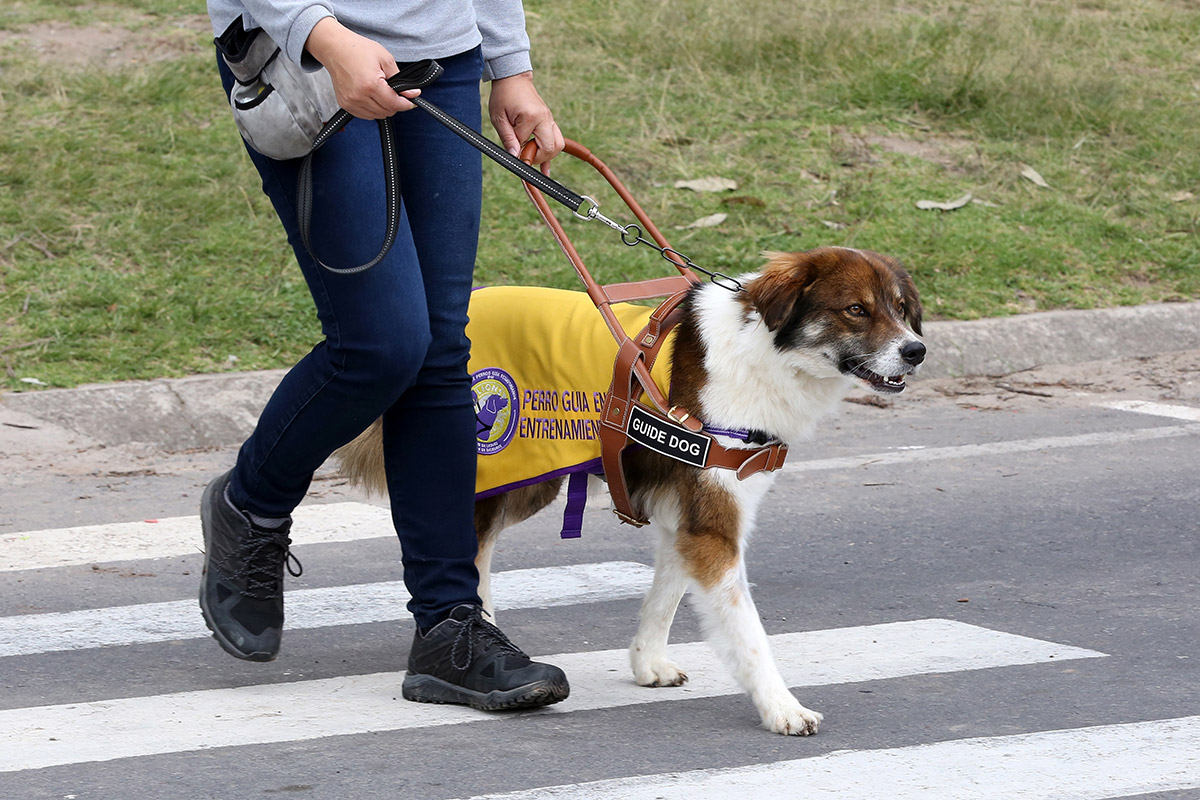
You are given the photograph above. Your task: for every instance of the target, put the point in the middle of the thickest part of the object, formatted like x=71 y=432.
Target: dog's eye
x=856 y=311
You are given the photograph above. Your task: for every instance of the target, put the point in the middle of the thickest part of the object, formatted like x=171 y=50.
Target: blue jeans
x=395 y=344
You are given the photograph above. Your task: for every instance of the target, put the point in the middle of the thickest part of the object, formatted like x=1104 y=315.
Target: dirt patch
x=953 y=153
x=145 y=41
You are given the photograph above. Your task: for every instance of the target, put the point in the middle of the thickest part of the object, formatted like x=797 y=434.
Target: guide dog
x=775 y=358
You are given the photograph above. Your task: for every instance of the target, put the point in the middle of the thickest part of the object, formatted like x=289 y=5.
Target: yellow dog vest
x=541 y=362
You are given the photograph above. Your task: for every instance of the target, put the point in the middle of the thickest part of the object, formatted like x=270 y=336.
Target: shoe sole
x=226 y=645
x=428 y=689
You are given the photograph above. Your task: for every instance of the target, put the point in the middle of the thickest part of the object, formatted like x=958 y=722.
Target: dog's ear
x=779 y=286
x=912 y=301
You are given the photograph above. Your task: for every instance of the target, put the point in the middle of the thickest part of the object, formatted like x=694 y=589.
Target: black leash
x=416 y=76
x=410 y=76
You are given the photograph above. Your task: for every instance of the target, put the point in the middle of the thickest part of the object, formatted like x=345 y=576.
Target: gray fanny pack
x=278 y=106
x=286 y=112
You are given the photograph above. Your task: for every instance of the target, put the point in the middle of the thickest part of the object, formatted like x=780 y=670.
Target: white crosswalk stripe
x=107 y=729
x=28 y=634
x=1079 y=764
x=1188 y=413
x=992 y=449
x=177 y=536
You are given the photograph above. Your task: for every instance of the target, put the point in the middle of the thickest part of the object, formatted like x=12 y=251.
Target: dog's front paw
x=791 y=718
x=658 y=672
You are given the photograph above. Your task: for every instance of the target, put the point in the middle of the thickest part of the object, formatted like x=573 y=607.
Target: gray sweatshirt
x=411 y=30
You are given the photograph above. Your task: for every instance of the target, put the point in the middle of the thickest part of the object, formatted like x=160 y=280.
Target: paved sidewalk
x=220 y=410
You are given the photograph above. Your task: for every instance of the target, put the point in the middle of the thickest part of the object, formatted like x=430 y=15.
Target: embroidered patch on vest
x=496 y=409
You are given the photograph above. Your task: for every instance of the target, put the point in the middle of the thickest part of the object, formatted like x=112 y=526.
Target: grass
x=134 y=242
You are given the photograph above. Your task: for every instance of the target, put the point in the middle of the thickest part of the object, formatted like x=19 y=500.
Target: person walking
x=394 y=335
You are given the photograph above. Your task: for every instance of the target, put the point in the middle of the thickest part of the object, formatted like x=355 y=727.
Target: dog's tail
x=361 y=461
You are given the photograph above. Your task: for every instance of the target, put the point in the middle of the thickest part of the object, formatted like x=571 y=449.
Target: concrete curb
x=1009 y=344
x=221 y=410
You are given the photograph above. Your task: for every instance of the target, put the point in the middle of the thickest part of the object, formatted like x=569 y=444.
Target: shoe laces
x=262 y=551
x=477 y=636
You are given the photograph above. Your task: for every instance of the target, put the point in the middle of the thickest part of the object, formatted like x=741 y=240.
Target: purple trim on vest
x=576 y=501
x=592 y=467
x=576 y=493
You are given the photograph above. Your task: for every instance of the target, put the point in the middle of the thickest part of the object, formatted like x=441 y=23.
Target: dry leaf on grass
x=950 y=205
x=1031 y=174
x=704 y=222
x=708 y=185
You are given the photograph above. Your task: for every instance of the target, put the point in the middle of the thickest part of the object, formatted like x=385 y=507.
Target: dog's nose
x=913 y=353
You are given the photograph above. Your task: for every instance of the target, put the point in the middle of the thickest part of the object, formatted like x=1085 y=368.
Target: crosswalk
x=1095 y=762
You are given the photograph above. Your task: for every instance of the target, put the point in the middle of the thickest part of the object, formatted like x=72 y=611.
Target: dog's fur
x=776 y=358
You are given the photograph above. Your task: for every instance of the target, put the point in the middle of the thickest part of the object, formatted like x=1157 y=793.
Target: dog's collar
x=751 y=437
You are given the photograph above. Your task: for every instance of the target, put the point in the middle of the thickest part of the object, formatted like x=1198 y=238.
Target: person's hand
x=359 y=68
x=518 y=112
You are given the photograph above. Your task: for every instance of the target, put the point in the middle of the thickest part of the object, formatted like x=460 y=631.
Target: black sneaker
x=241 y=591
x=466 y=660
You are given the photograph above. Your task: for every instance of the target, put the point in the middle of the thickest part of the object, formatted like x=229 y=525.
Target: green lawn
x=134 y=242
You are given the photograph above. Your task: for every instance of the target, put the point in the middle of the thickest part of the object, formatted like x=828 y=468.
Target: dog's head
x=838 y=311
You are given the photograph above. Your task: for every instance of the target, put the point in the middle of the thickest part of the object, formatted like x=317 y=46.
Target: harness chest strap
x=621 y=410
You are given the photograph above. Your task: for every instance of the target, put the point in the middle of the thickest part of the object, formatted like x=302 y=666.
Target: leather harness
x=625 y=418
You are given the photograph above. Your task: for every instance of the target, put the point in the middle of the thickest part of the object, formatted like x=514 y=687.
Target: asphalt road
x=951 y=579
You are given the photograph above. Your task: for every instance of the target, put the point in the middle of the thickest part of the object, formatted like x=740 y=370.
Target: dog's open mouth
x=879 y=383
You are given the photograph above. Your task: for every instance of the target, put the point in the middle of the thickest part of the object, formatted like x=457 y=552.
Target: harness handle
x=605 y=295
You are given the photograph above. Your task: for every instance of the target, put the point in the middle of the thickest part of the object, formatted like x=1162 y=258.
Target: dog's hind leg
x=494 y=514
x=483 y=562
x=648 y=653
x=489 y=521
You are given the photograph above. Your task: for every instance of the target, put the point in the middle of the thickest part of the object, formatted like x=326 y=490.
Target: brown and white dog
x=776 y=358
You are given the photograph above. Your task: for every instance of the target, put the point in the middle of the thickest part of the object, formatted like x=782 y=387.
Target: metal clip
x=592 y=211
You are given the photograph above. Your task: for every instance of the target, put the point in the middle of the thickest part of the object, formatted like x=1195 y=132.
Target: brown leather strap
x=644 y=290
x=614 y=425
x=631 y=376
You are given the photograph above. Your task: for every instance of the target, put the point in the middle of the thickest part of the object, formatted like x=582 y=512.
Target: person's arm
x=359 y=68
x=516 y=109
